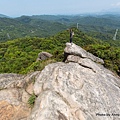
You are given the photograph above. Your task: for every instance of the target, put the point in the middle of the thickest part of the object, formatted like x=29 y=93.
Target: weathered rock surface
x=77 y=89
x=44 y=56
x=13 y=112
x=75 y=92
x=80 y=89
x=14 y=95
x=72 y=49
x=13 y=104
x=11 y=81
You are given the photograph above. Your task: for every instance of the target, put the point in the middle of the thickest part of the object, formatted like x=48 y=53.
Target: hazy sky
x=38 y=7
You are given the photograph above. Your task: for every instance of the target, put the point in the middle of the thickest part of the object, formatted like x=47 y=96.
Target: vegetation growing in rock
x=31 y=100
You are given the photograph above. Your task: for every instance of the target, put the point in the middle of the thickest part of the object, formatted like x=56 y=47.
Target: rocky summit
x=79 y=88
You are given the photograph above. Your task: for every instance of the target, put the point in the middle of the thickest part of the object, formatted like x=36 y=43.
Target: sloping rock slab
x=73 y=92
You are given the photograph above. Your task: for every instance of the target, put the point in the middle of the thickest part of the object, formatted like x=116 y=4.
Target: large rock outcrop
x=72 y=49
x=78 y=89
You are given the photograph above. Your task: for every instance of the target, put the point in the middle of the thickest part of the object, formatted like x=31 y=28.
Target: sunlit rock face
x=80 y=89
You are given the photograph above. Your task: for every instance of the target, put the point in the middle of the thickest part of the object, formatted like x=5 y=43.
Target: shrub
x=31 y=100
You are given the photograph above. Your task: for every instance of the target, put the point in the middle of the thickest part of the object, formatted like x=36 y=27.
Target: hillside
x=11 y=28
x=19 y=55
x=98 y=26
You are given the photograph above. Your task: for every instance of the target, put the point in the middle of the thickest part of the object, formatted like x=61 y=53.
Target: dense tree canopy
x=19 y=55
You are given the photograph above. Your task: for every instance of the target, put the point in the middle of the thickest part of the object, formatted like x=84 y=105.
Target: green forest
x=12 y=28
x=22 y=38
x=101 y=27
x=19 y=55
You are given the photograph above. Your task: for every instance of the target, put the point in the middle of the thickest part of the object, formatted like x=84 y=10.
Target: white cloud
x=116 y=4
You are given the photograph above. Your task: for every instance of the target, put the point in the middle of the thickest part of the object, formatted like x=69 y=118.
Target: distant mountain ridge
x=3 y=16
x=98 y=26
x=11 y=28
